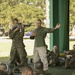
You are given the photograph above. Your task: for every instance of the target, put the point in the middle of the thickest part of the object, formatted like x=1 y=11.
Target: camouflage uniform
x=53 y=56
x=70 y=61
x=17 y=46
x=17 y=59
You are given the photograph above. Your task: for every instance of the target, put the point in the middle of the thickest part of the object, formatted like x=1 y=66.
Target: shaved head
x=27 y=70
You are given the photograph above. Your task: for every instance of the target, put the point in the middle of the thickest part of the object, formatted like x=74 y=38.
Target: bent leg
x=23 y=55
x=67 y=62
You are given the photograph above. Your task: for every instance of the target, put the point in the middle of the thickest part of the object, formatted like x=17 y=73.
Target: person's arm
x=49 y=54
x=73 y=54
x=49 y=30
x=67 y=52
x=33 y=35
x=12 y=33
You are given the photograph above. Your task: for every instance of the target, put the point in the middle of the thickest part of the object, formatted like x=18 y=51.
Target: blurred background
x=27 y=11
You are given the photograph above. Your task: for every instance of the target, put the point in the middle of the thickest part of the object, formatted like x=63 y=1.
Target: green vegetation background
x=26 y=11
x=72 y=13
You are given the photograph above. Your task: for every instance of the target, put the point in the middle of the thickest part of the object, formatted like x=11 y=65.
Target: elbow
x=11 y=37
x=32 y=37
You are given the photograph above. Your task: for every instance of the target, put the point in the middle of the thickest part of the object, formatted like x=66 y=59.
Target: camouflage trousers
x=40 y=53
x=69 y=62
x=54 y=60
x=18 y=55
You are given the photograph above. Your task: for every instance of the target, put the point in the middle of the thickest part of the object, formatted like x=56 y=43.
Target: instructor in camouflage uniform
x=16 y=33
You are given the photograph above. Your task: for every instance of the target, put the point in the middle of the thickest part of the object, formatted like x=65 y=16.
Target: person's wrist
x=55 y=28
x=14 y=30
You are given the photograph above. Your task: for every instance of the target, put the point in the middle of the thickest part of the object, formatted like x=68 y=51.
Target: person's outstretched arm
x=50 y=30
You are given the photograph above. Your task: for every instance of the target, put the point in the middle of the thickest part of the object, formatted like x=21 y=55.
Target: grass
x=5 y=46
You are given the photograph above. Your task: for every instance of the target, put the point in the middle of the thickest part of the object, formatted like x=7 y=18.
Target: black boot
x=10 y=71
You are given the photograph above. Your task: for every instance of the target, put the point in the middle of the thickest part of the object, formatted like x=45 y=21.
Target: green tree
x=25 y=10
x=72 y=13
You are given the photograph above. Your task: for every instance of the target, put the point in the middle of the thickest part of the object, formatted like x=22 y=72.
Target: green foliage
x=25 y=10
x=72 y=13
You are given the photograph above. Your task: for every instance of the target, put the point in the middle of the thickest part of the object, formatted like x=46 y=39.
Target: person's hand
x=23 y=26
x=16 y=29
x=64 y=51
x=50 y=62
x=33 y=34
x=68 y=56
x=57 y=26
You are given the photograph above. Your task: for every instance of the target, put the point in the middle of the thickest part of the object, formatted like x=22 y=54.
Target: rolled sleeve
x=48 y=30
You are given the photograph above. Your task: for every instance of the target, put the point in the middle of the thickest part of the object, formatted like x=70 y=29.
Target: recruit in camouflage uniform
x=17 y=45
x=70 y=57
x=53 y=56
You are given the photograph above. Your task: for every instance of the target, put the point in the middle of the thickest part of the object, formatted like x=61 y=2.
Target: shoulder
x=34 y=30
x=43 y=27
x=10 y=30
